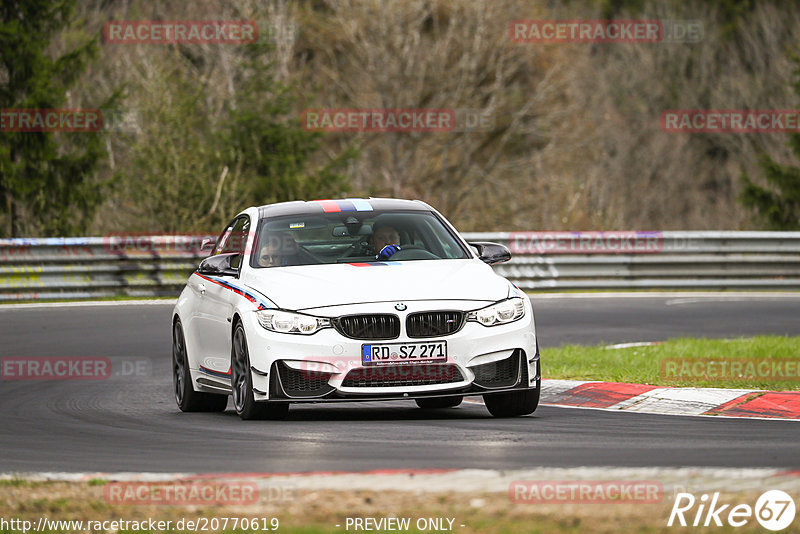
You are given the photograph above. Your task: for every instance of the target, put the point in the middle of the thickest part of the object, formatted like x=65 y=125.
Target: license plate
x=403 y=353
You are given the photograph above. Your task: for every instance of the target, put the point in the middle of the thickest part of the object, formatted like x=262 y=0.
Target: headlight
x=291 y=323
x=503 y=312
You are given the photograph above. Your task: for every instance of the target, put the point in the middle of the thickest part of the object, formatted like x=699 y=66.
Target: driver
x=385 y=241
x=279 y=250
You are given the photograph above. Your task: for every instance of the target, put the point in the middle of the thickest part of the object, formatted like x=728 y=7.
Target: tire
x=433 y=403
x=515 y=403
x=186 y=397
x=242 y=384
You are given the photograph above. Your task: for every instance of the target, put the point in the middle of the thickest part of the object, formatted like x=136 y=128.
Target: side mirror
x=221 y=264
x=491 y=253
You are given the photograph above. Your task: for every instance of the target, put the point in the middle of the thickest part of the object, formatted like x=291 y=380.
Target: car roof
x=315 y=207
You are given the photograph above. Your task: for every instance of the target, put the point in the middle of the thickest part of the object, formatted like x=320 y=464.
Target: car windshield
x=353 y=237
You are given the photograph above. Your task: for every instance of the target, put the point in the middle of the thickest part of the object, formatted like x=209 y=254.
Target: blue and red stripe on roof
x=347 y=204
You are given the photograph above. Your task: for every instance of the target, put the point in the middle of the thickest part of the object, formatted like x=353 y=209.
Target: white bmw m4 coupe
x=351 y=300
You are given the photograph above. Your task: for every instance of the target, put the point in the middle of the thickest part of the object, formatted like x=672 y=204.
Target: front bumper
x=327 y=367
x=524 y=375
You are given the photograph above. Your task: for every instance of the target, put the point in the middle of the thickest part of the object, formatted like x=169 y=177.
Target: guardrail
x=96 y=267
x=148 y=266
x=650 y=260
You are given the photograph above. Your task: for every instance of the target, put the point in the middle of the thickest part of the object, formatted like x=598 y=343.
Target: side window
x=234 y=239
x=223 y=237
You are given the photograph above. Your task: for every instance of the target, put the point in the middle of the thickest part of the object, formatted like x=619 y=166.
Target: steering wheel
x=413 y=252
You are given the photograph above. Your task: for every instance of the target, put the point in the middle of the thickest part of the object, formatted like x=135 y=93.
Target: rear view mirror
x=341 y=231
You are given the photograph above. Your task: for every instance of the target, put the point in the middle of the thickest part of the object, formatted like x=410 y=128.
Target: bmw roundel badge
x=400 y=306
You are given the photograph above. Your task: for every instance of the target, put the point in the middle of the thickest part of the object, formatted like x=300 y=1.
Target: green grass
x=15 y=482
x=681 y=362
x=318 y=511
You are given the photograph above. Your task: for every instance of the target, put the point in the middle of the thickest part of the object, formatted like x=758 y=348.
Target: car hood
x=317 y=286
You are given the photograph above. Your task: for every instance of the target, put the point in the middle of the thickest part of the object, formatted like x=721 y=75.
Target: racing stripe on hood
x=374 y=264
x=517 y=292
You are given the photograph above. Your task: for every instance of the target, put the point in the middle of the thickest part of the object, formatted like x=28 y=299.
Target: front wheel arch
x=236 y=320
x=242 y=382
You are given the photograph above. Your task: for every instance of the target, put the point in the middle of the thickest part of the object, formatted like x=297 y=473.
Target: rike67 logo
x=774 y=510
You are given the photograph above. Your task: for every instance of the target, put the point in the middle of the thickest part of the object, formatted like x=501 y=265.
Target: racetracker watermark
x=201 y=493
x=398 y=366
x=72 y=368
x=605 y=31
x=586 y=242
x=123 y=121
x=586 y=491
x=55 y=368
x=12 y=252
x=730 y=121
x=201 y=524
x=397 y=120
x=131 y=243
x=51 y=120
x=710 y=369
x=378 y=120
x=180 y=32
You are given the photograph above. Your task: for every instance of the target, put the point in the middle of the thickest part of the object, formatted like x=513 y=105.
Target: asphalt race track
x=129 y=422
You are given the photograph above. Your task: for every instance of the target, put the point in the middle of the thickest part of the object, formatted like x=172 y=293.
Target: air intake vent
x=303 y=383
x=434 y=324
x=504 y=373
x=402 y=375
x=381 y=326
